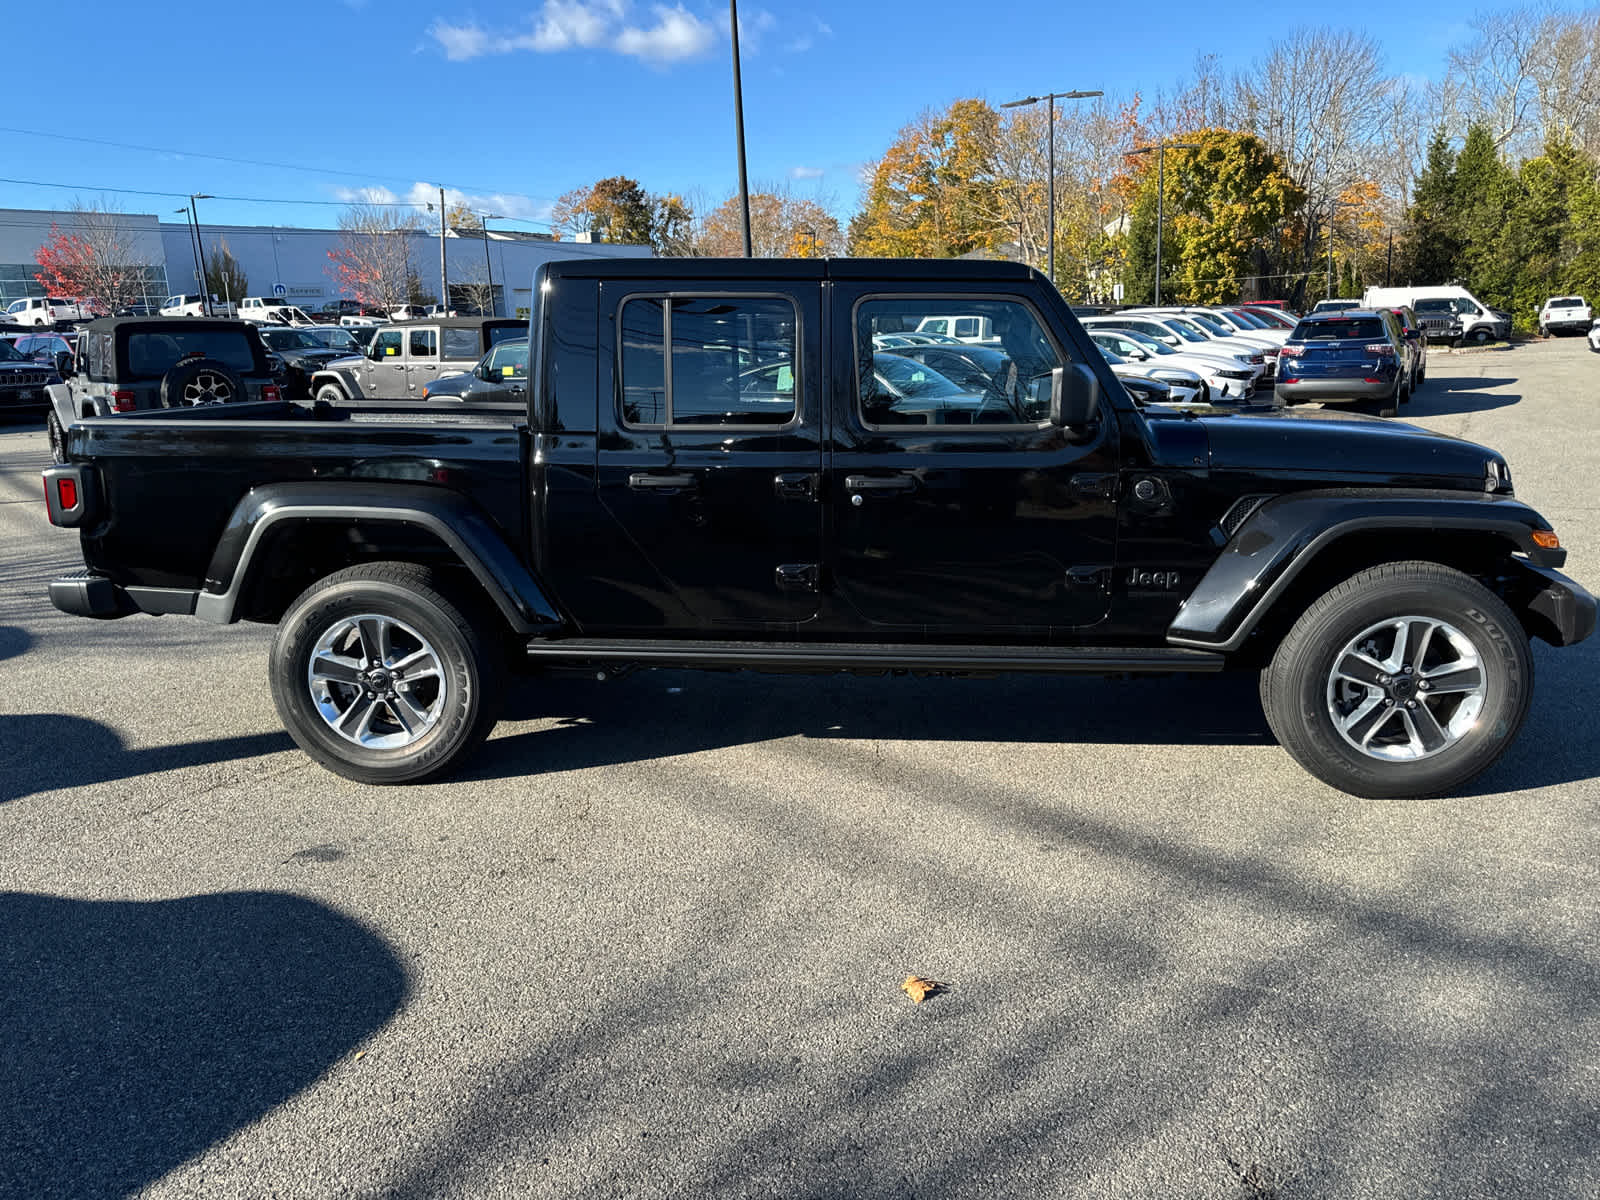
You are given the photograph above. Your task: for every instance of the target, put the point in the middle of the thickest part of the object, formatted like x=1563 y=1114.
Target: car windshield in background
x=1153 y=345
x=1360 y=329
x=1567 y=302
x=157 y=352
x=1434 y=306
x=8 y=353
x=290 y=339
x=334 y=339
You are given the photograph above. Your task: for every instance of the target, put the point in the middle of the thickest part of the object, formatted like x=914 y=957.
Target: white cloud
x=507 y=204
x=365 y=195
x=672 y=34
x=806 y=172
x=677 y=34
x=460 y=42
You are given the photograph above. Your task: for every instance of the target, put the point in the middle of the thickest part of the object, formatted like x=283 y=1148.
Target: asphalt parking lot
x=651 y=944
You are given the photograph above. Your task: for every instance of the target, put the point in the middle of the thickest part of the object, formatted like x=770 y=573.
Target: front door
x=383 y=375
x=959 y=510
x=710 y=457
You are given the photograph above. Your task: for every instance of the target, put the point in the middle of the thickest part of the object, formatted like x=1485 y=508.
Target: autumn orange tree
x=97 y=260
x=781 y=226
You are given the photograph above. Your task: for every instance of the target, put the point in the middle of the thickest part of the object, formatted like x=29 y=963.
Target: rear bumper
x=1333 y=389
x=85 y=594
x=1568 y=326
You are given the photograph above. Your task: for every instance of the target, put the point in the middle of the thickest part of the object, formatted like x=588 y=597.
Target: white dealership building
x=290 y=261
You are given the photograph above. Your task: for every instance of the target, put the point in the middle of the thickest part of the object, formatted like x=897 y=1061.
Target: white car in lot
x=1594 y=336
x=195 y=306
x=1224 y=378
x=1565 y=314
x=1183 y=334
x=268 y=310
x=44 y=310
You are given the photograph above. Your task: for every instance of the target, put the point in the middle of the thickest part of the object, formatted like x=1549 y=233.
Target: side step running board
x=850 y=656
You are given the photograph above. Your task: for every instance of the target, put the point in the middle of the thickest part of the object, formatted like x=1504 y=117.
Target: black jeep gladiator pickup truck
x=724 y=464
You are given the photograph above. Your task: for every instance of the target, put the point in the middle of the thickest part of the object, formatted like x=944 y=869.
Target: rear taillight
x=269 y=392
x=123 y=400
x=67 y=492
x=1381 y=349
x=1291 y=352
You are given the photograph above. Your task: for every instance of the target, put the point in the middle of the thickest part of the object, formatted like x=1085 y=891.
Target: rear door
x=709 y=458
x=422 y=358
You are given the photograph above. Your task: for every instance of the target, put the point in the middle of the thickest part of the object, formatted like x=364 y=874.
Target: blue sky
x=513 y=103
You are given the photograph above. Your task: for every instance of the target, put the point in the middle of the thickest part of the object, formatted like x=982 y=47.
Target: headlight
x=1234 y=374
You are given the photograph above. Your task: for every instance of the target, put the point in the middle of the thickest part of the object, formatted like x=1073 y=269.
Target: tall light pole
x=205 y=290
x=444 y=270
x=486 y=218
x=1161 y=195
x=738 y=127
x=1051 y=99
x=194 y=244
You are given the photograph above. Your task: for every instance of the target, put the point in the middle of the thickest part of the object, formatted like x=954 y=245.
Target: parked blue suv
x=1357 y=357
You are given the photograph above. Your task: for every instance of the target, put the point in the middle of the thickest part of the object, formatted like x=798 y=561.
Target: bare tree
x=373 y=260
x=1495 y=72
x=98 y=259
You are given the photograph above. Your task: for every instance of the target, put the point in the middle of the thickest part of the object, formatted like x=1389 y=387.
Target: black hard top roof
x=112 y=324
x=883 y=269
x=451 y=322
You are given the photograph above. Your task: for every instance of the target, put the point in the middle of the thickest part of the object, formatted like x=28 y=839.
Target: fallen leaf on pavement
x=919 y=989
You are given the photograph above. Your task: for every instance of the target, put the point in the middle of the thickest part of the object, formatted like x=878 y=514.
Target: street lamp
x=1051 y=99
x=1161 y=194
x=194 y=246
x=200 y=257
x=1333 y=211
x=485 y=218
x=738 y=128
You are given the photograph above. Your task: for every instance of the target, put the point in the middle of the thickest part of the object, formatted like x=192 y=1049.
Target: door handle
x=880 y=483
x=795 y=485
x=641 y=481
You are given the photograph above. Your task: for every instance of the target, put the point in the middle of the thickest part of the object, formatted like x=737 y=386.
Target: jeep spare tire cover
x=195 y=382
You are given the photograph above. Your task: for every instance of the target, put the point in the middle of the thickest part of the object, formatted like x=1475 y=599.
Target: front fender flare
x=347 y=382
x=1284 y=536
x=453 y=519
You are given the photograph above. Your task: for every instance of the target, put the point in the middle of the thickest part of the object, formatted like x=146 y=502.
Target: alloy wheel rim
x=1406 y=688
x=207 y=388
x=376 y=682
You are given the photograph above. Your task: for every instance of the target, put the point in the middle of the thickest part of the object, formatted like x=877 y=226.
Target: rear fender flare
x=450 y=517
x=1284 y=536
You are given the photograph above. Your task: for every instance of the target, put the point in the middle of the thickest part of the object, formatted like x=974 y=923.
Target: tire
x=1305 y=700
x=1389 y=406
x=331 y=393
x=1422 y=373
x=200 y=382
x=398 y=731
x=1480 y=337
x=57 y=436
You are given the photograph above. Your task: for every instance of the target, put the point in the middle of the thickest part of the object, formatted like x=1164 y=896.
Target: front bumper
x=1554 y=607
x=85 y=594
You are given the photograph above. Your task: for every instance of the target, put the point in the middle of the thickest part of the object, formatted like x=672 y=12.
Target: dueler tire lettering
x=1295 y=686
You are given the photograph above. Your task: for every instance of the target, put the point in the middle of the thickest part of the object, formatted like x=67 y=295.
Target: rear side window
x=709 y=360
x=424 y=343
x=157 y=352
x=1367 y=329
x=461 y=343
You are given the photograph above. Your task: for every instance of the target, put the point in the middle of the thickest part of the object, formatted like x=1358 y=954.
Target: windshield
x=1146 y=342
x=335 y=339
x=1434 y=306
x=1110 y=355
x=290 y=339
x=1248 y=319
x=1211 y=323
x=1188 y=332
x=8 y=353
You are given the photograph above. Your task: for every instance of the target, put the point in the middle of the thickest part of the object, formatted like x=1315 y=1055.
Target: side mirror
x=1137 y=354
x=1074 y=395
x=1413 y=334
x=63 y=363
x=1171 y=339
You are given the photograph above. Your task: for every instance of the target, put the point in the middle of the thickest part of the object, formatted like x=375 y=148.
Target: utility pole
x=489 y=266
x=1050 y=139
x=738 y=125
x=1161 y=195
x=444 y=273
x=205 y=288
x=194 y=245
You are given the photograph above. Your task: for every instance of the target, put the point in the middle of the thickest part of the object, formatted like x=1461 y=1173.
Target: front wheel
x=382 y=676
x=330 y=393
x=1406 y=680
x=1480 y=337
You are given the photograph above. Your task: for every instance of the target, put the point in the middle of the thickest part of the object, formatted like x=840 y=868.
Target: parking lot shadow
x=14 y=642
x=135 y=1035
x=42 y=751
x=659 y=713
x=1463 y=394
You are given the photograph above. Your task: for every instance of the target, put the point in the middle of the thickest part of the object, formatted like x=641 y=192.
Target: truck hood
x=1334 y=445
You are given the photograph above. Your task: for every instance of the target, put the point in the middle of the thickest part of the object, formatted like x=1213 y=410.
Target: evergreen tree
x=1430 y=244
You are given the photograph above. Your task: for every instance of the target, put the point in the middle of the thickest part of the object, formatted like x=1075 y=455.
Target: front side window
x=509 y=360
x=424 y=343
x=709 y=360
x=387 y=344
x=1004 y=383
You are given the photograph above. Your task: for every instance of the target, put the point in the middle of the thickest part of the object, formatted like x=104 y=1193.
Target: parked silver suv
x=402 y=360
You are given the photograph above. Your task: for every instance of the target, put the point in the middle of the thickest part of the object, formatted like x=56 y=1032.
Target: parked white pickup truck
x=194 y=306
x=267 y=310
x=1565 y=314
x=44 y=310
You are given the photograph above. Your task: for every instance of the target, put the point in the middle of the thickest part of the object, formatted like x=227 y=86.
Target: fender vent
x=1239 y=512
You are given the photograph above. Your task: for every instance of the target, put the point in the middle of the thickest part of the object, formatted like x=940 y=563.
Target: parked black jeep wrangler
x=720 y=466
x=135 y=364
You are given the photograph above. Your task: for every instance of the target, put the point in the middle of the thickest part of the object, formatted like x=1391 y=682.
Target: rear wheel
x=1405 y=680
x=383 y=676
x=57 y=436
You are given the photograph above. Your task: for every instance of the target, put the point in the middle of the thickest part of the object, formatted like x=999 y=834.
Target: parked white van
x=1479 y=322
